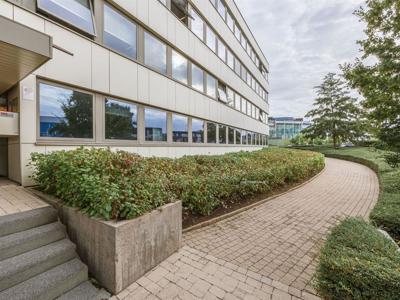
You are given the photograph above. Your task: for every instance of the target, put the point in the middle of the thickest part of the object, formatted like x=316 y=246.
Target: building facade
x=283 y=129
x=155 y=77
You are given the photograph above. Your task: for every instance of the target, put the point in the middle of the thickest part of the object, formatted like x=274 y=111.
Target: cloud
x=303 y=41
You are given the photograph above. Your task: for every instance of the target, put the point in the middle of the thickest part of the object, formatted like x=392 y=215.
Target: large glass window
x=197 y=78
x=75 y=12
x=244 y=137
x=119 y=32
x=222 y=9
x=244 y=106
x=237 y=66
x=249 y=109
x=65 y=113
x=222 y=92
x=211 y=39
x=120 y=120
x=249 y=138
x=211 y=133
x=179 y=67
x=155 y=125
x=231 y=97
x=238 y=32
x=197 y=24
x=155 y=53
x=211 y=86
x=231 y=136
x=197 y=131
x=180 y=129
x=221 y=50
x=180 y=9
x=230 y=21
x=237 y=102
x=222 y=134
x=238 y=137
x=230 y=59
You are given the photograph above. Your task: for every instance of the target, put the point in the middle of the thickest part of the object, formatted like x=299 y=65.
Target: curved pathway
x=268 y=252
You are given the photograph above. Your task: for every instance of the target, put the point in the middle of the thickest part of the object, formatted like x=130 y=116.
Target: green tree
x=335 y=114
x=376 y=74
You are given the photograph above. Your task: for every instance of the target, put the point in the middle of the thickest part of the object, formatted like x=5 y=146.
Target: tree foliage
x=78 y=120
x=335 y=114
x=379 y=82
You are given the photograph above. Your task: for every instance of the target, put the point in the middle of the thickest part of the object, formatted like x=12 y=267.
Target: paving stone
x=267 y=253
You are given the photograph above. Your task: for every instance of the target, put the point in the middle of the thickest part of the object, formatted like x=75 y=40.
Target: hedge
x=358 y=262
x=122 y=185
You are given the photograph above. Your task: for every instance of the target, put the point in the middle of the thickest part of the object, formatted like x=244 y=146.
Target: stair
x=38 y=261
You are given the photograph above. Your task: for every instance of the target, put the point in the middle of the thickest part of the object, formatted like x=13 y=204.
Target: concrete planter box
x=119 y=253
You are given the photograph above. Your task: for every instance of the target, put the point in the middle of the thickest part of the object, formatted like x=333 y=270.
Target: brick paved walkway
x=268 y=252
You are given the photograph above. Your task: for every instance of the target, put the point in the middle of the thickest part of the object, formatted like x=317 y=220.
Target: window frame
x=166 y=125
x=103 y=119
x=68 y=23
x=144 y=53
x=136 y=59
x=216 y=133
x=204 y=131
x=172 y=128
x=57 y=140
x=188 y=67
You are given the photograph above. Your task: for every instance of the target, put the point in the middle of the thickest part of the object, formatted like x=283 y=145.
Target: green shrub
x=358 y=262
x=121 y=185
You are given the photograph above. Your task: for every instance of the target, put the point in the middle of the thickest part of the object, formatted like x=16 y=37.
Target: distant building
x=283 y=129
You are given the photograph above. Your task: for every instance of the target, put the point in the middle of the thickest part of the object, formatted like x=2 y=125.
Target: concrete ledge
x=119 y=253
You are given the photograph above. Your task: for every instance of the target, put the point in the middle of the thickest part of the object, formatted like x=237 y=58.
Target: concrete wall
x=119 y=253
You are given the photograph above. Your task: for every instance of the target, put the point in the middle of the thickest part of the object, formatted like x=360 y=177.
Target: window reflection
x=179 y=67
x=120 y=120
x=197 y=78
x=180 y=129
x=75 y=12
x=231 y=136
x=155 y=125
x=211 y=86
x=119 y=32
x=155 y=53
x=222 y=134
x=211 y=133
x=65 y=113
x=197 y=131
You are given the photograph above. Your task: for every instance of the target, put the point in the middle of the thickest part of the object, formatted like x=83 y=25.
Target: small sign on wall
x=28 y=93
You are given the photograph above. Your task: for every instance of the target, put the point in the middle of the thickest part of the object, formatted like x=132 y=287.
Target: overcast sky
x=303 y=40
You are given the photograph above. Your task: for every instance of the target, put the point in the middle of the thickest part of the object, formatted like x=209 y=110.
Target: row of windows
x=227 y=16
x=203 y=31
x=121 y=34
x=69 y=114
x=189 y=16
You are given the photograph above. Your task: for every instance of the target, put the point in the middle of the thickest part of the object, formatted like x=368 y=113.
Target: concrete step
x=19 y=268
x=24 y=241
x=85 y=291
x=50 y=284
x=13 y=223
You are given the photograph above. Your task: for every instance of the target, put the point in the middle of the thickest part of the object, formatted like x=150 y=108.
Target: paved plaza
x=267 y=252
